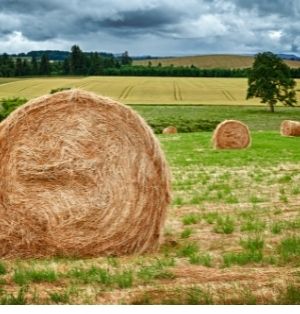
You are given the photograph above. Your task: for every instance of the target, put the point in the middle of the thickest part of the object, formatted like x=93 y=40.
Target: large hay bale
x=231 y=134
x=290 y=128
x=170 y=130
x=80 y=175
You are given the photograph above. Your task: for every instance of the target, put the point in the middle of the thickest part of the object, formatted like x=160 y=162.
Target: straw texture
x=170 y=130
x=231 y=134
x=80 y=175
x=290 y=128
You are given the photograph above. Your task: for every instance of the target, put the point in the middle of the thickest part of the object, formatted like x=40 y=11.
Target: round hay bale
x=80 y=175
x=170 y=130
x=231 y=134
x=290 y=128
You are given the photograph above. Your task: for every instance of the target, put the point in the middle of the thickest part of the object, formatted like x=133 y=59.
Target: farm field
x=210 y=61
x=232 y=234
x=140 y=90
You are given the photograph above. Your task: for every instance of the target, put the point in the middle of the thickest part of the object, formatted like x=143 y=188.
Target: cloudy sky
x=156 y=27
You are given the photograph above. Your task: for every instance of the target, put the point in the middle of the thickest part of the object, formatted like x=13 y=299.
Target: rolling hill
x=210 y=61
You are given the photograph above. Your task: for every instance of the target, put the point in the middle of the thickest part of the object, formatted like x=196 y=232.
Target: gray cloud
x=153 y=18
x=28 y=7
x=157 y=27
x=267 y=7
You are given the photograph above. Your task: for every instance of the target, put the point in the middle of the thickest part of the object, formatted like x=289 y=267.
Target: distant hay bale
x=290 y=128
x=231 y=134
x=80 y=175
x=170 y=130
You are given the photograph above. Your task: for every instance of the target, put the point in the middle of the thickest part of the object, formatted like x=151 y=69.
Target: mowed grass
x=142 y=90
x=209 y=61
x=267 y=149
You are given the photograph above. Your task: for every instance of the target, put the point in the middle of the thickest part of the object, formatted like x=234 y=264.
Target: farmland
x=139 y=90
x=210 y=61
x=232 y=234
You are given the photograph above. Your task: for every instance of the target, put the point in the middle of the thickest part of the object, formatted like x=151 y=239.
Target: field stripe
x=228 y=95
x=124 y=92
x=177 y=92
x=232 y=97
x=128 y=92
x=174 y=91
x=29 y=86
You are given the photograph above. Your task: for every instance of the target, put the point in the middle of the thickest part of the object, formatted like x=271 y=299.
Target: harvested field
x=139 y=90
x=210 y=61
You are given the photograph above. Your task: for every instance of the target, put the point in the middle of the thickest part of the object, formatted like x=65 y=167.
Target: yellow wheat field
x=210 y=61
x=142 y=90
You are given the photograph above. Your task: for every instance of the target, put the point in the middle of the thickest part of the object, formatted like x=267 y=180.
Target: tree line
x=79 y=63
x=181 y=71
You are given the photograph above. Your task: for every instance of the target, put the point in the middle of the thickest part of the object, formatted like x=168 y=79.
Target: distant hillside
x=54 y=55
x=210 y=61
x=288 y=57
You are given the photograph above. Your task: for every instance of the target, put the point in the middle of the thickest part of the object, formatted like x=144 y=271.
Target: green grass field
x=210 y=61
x=141 y=90
x=257 y=118
x=232 y=234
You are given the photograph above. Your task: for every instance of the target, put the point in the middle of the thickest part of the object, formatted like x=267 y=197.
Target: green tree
x=34 y=66
x=125 y=59
x=7 y=65
x=19 y=67
x=66 y=66
x=44 y=65
x=77 y=61
x=26 y=67
x=95 y=64
x=270 y=79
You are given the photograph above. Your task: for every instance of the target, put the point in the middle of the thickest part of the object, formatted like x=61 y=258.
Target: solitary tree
x=270 y=79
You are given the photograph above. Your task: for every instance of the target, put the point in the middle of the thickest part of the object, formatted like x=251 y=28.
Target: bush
x=60 y=89
x=182 y=125
x=7 y=105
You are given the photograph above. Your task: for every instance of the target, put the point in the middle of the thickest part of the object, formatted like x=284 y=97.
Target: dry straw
x=80 y=175
x=231 y=134
x=290 y=128
x=170 y=130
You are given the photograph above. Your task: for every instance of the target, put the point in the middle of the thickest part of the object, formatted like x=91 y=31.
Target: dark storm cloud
x=42 y=20
x=266 y=7
x=151 y=26
x=153 y=18
x=32 y=6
